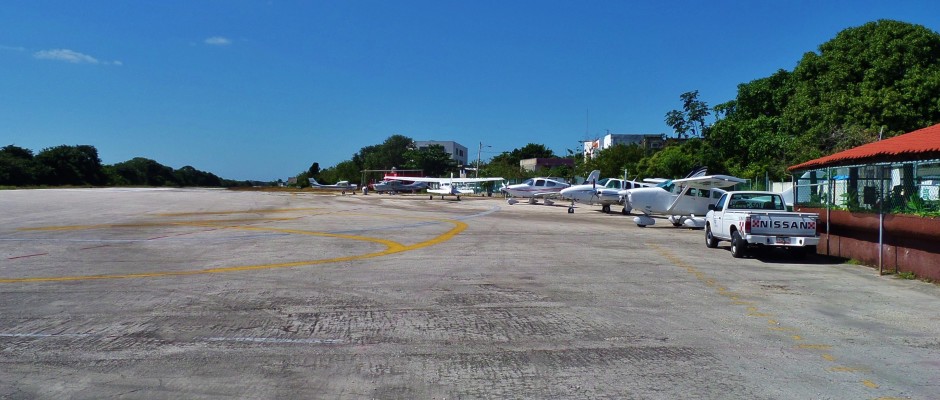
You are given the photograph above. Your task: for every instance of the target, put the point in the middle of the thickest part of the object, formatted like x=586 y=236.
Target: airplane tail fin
x=313 y=182
x=700 y=171
x=593 y=177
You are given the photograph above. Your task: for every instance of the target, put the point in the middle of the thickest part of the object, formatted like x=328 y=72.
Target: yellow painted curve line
x=391 y=247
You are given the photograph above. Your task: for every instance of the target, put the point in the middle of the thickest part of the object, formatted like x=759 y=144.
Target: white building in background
x=646 y=141
x=457 y=151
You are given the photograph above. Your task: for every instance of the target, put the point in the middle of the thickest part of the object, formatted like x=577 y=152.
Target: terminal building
x=646 y=141
x=457 y=151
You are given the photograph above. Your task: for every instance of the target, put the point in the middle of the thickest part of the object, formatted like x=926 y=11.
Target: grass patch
x=906 y=275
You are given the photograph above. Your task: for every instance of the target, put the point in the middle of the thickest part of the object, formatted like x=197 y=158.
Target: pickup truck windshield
x=750 y=201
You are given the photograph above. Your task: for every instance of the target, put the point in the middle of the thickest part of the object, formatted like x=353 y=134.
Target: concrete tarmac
x=169 y=293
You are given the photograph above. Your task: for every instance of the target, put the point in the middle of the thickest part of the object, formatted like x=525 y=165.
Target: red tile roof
x=923 y=144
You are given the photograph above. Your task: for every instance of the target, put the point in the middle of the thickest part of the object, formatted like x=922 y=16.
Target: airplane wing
x=546 y=195
x=441 y=180
x=709 y=181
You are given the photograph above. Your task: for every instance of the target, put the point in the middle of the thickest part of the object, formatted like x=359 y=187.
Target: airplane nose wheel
x=570 y=210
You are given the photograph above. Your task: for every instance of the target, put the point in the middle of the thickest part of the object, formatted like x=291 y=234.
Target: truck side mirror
x=711 y=207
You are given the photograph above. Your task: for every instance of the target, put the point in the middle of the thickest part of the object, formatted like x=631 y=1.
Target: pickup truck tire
x=738 y=245
x=710 y=241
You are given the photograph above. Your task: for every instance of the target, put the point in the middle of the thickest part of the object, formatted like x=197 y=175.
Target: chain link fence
x=890 y=188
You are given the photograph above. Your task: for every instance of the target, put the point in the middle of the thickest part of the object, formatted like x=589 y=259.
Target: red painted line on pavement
x=30 y=255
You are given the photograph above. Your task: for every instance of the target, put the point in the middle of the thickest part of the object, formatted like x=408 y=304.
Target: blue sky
x=262 y=89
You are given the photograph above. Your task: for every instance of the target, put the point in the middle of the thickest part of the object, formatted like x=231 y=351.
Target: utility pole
x=479 y=152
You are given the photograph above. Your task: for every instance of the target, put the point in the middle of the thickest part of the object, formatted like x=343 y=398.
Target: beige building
x=646 y=141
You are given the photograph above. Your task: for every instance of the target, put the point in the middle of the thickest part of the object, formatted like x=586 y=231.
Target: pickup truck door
x=718 y=228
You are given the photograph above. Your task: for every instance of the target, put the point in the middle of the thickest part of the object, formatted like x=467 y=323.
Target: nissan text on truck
x=750 y=219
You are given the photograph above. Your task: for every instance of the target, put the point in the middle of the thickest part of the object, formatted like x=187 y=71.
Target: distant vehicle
x=342 y=186
x=446 y=186
x=396 y=186
x=760 y=219
x=536 y=188
x=685 y=201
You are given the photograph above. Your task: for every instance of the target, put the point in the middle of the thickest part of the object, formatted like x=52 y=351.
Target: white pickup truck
x=759 y=219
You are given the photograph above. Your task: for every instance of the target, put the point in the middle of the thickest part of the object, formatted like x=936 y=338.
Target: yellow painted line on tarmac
x=753 y=311
x=849 y=369
x=231 y=212
x=815 y=346
x=152 y=224
x=391 y=247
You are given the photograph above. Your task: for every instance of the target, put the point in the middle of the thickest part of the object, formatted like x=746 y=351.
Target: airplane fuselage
x=535 y=187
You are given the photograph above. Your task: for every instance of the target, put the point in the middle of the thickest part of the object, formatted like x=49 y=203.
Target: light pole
x=480 y=151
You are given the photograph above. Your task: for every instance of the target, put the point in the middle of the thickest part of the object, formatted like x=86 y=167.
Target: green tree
x=506 y=164
x=671 y=162
x=189 y=176
x=390 y=153
x=881 y=75
x=691 y=118
x=613 y=160
x=18 y=167
x=433 y=160
x=314 y=170
x=140 y=171
x=344 y=171
x=72 y=165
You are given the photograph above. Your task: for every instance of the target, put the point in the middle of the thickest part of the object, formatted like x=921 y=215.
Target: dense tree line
x=80 y=166
x=397 y=151
x=882 y=78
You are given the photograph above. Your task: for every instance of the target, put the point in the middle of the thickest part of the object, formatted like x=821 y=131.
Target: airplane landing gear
x=606 y=208
x=571 y=210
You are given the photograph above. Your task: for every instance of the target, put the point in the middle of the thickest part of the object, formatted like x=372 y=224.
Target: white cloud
x=66 y=55
x=218 y=41
x=12 y=48
x=72 y=56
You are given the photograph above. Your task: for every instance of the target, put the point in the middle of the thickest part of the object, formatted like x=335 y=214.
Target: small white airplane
x=341 y=186
x=605 y=192
x=446 y=186
x=535 y=188
x=396 y=186
x=685 y=201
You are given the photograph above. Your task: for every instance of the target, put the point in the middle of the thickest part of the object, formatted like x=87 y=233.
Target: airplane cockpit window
x=692 y=192
x=549 y=183
x=539 y=182
x=615 y=184
x=529 y=182
x=667 y=185
x=602 y=182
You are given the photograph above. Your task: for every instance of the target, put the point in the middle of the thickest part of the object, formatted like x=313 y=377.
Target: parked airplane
x=605 y=192
x=396 y=186
x=341 y=185
x=446 y=186
x=685 y=201
x=535 y=188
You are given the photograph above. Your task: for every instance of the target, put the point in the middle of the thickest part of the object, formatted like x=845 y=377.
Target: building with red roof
x=878 y=203
x=923 y=144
